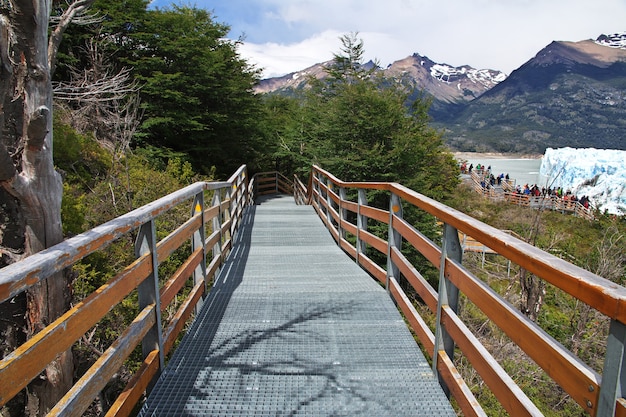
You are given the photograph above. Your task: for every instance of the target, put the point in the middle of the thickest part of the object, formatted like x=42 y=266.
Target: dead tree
x=30 y=188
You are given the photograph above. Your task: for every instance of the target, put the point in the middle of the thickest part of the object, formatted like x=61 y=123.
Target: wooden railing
x=348 y=220
x=210 y=230
x=271 y=182
x=550 y=203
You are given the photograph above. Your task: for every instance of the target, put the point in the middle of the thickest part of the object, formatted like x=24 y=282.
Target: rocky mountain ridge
x=446 y=83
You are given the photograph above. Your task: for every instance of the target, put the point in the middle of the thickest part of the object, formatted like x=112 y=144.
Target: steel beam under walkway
x=294 y=327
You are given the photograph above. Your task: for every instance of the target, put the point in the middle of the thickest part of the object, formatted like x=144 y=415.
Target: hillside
x=570 y=94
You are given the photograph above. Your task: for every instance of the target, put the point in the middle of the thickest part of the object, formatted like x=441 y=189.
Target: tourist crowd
x=488 y=180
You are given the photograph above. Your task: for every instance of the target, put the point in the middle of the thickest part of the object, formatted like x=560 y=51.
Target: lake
x=523 y=171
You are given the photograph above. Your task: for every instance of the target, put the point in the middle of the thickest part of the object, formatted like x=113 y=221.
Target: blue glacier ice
x=599 y=174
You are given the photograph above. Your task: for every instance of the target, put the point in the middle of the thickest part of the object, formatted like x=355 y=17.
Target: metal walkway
x=293 y=327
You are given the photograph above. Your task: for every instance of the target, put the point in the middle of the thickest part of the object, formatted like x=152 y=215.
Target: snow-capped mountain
x=569 y=94
x=445 y=83
x=292 y=81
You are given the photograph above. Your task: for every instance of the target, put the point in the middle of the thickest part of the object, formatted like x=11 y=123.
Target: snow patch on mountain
x=616 y=40
x=446 y=73
x=600 y=174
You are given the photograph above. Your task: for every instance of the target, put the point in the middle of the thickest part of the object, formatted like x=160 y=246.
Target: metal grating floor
x=293 y=327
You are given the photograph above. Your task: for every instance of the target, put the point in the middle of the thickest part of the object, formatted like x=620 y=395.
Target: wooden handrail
x=220 y=220
x=579 y=380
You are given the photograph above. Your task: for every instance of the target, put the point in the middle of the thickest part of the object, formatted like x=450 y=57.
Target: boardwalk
x=294 y=327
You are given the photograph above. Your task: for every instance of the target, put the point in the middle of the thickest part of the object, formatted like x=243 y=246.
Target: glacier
x=600 y=174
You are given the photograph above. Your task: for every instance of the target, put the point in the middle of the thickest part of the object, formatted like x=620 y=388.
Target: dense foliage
x=195 y=90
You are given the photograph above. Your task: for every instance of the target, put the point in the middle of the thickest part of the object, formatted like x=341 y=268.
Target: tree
x=117 y=21
x=368 y=133
x=197 y=91
x=30 y=188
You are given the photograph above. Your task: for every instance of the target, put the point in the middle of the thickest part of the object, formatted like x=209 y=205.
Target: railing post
x=217 y=225
x=448 y=294
x=394 y=239
x=148 y=291
x=329 y=201
x=197 y=242
x=343 y=213
x=276 y=187
x=316 y=187
x=234 y=203
x=228 y=211
x=361 y=224
x=613 y=374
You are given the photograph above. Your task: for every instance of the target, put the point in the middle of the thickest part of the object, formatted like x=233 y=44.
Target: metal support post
x=448 y=295
x=361 y=224
x=276 y=178
x=148 y=292
x=613 y=374
x=329 y=201
x=343 y=213
x=197 y=242
x=217 y=226
x=233 y=194
x=228 y=212
x=318 y=189
x=394 y=239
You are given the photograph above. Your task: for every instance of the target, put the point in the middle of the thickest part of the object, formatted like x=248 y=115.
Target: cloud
x=289 y=35
x=278 y=59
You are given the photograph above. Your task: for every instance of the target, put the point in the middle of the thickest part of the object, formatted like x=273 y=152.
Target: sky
x=284 y=36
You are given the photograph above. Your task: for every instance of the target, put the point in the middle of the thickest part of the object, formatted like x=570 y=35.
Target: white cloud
x=279 y=59
x=288 y=35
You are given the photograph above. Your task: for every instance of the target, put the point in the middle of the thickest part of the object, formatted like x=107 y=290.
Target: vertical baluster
x=329 y=202
x=148 y=292
x=233 y=208
x=448 y=294
x=361 y=224
x=197 y=242
x=228 y=212
x=394 y=239
x=343 y=214
x=614 y=374
x=217 y=226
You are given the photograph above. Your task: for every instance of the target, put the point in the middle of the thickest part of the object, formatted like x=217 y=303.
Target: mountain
x=446 y=84
x=293 y=81
x=570 y=94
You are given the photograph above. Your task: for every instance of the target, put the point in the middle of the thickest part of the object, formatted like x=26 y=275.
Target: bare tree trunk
x=30 y=188
x=533 y=290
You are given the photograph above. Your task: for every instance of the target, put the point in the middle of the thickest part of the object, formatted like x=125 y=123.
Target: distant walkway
x=294 y=327
x=505 y=190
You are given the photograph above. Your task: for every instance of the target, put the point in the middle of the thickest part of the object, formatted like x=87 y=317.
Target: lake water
x=523 y=171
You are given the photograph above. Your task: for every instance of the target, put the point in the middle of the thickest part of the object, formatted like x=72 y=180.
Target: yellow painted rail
x=343 y=207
